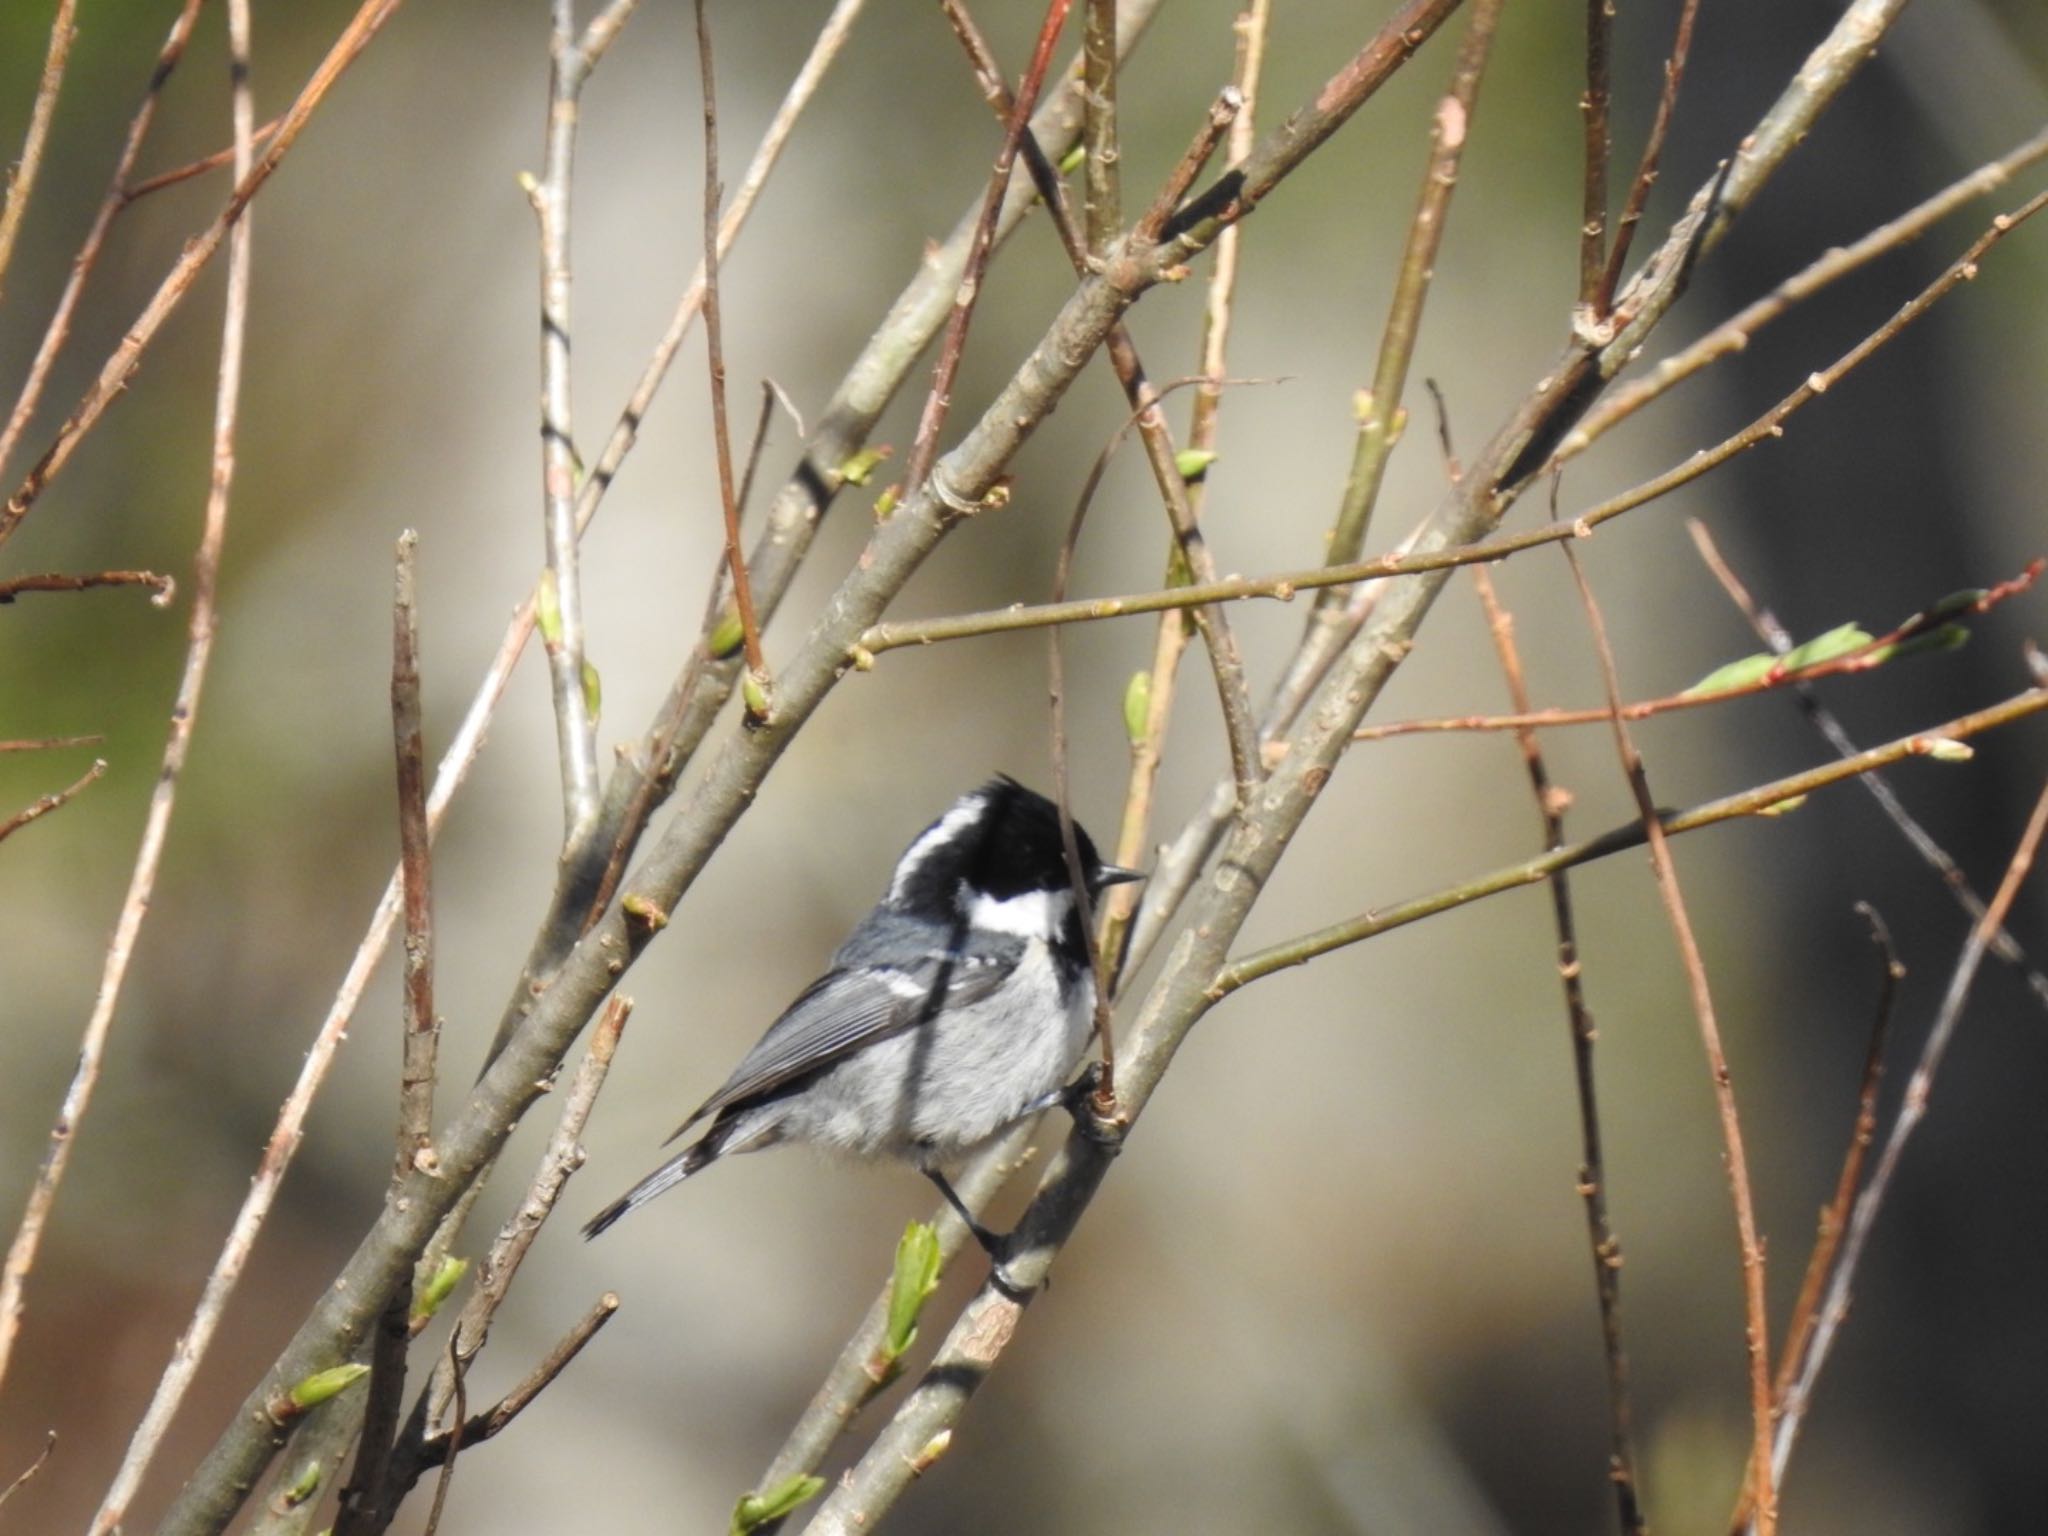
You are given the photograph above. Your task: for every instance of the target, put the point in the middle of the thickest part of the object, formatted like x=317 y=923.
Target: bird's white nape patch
x=1032 y=915
x=965 y=813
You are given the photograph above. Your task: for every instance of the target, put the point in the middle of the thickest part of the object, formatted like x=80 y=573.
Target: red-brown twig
x=1871 y=654
x=121 y=364
x=8 y=828
x=925 y=449
x=1646 y=169
x=162 y=588
x=1912 y=1110
x=48 y=743
x=21 y=177
x=1834 y=1216
x=714 y=351
x=184 y=713
x=1756 y=1319
x=1595 y=106
x=59 y=329
x=192 y=168
x=29 y=1471
x=1551 y=803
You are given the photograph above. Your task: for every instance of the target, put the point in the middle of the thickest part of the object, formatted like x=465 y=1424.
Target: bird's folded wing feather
x=844 y=1010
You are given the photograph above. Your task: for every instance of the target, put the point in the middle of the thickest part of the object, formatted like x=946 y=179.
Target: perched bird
x=959 y=1005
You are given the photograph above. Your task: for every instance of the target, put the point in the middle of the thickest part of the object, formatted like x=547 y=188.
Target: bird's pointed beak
x=1116 y=874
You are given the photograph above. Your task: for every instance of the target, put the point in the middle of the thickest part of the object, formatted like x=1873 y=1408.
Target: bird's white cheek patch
x=1033 y=915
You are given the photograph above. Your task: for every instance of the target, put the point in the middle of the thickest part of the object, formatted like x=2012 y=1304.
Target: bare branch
x=1834 y=1217
x=1551 y=801
x=1596 y=106
x=8 y=828
x=161 y=588
x=136 y=191
x=924 y=451
x=1381 y=416
x=1102 y=163
x=42 y=1456
x=714 y=349
x=1646 y=169
x=1912 y=1110
x=1756 y=1317
x=561 y=618
x=21 y=177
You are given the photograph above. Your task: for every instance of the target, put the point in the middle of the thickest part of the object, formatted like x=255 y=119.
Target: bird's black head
x=999 y=841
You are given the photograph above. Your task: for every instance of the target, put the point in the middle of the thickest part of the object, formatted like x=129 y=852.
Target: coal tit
x=958 y=1006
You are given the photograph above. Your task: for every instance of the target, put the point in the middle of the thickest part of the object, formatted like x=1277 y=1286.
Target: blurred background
x=1339 y=1281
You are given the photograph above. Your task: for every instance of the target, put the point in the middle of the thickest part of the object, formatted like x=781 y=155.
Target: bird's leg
x=995 y=1247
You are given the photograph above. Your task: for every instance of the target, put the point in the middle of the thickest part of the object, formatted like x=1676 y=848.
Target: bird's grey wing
x=846 y=1009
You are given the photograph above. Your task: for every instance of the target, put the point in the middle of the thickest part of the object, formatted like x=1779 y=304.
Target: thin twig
x=1756 y=1317
x=714 y=351
x=1733 y=334
x=21 y=176
x=199 y=651
x=29 y=1471
x=21 y=1255
x=1866 y=657
x=59 y=329
x=1551 y=802
x=1834 y=1216
x=48 y=743
x=1120 y=906
x=440 y=1450
x=421 y=1026
x=8 y=828
x=365 y=1505
x=1596 y=108
x=213 y=162
x=1912 y=1110
x=1937 y=858
x=925 y=449
x=1381 y=415
x=1646 y=169
x=162 y=589
x=455 y=1434
x=126 y=357
x=562 y=628
x=1101 y=162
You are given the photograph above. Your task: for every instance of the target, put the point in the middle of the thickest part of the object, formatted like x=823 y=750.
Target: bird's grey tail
x=674 y=1171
